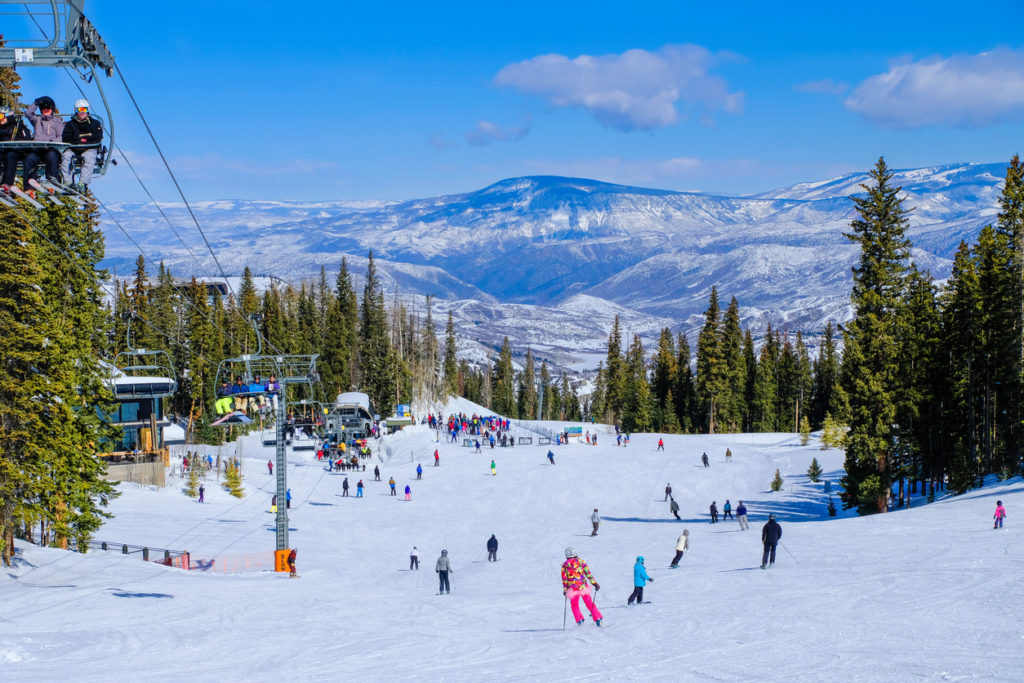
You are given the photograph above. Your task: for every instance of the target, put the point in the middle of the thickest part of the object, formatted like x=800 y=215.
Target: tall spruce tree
x=614 y=375
x=684 y=392
x=337 y=362
x=636 y=409
x=379 y=366
x=733 y=407
x=826 y=378
x=663 y=377
x=872 y=347
x=503 y=396
x=451 y=362
x=712 y=378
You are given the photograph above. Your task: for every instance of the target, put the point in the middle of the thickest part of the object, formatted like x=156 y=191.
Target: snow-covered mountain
x=549 y=261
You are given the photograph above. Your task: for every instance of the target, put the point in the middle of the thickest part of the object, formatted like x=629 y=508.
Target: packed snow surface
x=927 y=593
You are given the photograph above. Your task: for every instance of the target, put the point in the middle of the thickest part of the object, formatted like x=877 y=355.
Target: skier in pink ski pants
x=1000 y=515
x=575 y=575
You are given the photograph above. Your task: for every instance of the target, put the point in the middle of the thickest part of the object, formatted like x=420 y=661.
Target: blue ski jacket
x=640 y=577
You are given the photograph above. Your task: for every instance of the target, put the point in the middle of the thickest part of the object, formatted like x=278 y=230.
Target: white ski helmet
x=79 y=104
x=570 y=552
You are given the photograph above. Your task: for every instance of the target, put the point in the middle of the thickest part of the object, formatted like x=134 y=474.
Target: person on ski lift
x=82 y=129
x=12 y=129
x=47 y=126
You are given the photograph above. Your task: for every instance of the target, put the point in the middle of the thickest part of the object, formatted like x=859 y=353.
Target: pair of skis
x=47 y=189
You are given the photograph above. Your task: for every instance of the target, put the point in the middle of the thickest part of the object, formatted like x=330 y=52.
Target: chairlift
x=143 y=372
x=57 y=36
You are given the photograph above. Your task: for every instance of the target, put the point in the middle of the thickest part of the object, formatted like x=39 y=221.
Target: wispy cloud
x=825 y=86
x=674 y=172
x=439 y=142
x=211 y=162
x=962 y=90
x=635 y=90
x=486 y=132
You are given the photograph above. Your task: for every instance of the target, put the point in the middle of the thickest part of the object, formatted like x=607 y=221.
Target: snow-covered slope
x=927 y=593
x=540 y=241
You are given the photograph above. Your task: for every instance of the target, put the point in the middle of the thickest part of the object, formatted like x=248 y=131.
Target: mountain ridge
x=539 y=241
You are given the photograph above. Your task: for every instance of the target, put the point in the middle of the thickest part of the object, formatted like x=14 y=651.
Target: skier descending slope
x=443 y=567
x=575 y=575
x=771 y=533
x=999 y=516
x=640 y=579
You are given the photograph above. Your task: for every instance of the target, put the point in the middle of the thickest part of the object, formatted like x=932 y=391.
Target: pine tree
x=826 y=377
x=833 y=434
x=379 y=366
x=776 y=483
x=961 y=314
x=527 y=400
x=337 y=360
x=765 y=390
x=233 y=480
x=870 y=361
x=712 y=381
x=684 y=391
x=814 y=471
x=636 y=410
x=451 y=368
x=29 y=394
x=734 y=410
x=70 y=246
x=663 y=378
x=192 y=483
x=614 y=376
x=805 y=430
x=503 y=398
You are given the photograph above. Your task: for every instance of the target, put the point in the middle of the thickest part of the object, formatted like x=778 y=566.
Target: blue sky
x=361 y=101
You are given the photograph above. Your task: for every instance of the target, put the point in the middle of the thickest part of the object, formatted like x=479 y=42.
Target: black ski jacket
x=88 y=132
x=492 y=544
x=14 y=130
x=771 y=532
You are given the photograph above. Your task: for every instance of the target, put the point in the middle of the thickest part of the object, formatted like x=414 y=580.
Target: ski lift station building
x=351 y=415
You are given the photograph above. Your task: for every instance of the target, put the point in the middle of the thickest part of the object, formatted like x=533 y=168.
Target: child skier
x=575 y=575
x=999 y=515
x=640 y=579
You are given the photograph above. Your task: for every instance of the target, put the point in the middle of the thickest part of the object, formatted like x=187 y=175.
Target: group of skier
x=51 y=132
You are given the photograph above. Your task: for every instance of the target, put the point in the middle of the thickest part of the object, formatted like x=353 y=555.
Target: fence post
x=124 y=549
x=103 y=545
x=167 y=557
x=145 y=554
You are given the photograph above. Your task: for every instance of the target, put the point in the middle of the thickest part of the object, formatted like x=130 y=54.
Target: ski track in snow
x=932 y=593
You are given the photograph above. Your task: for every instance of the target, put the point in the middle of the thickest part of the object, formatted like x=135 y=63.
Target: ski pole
x=565 y=606
x=789 y=553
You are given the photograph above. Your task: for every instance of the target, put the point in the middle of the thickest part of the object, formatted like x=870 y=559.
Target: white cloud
x=486 y=132
x=963 y=90
x=825 y=86
x=635 y=90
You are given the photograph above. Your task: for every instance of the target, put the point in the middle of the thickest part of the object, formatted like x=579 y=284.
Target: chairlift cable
x=184 y=299
x=145 y=189
x=174 y=179
x=107 y=288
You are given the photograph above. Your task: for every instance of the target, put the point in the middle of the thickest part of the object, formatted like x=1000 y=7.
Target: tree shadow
x=648 y=520
x=125 y=594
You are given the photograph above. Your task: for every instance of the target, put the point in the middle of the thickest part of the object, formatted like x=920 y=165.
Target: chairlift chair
x=57 y=35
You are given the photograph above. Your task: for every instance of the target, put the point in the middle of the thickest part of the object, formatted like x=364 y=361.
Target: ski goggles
x=81 y=110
